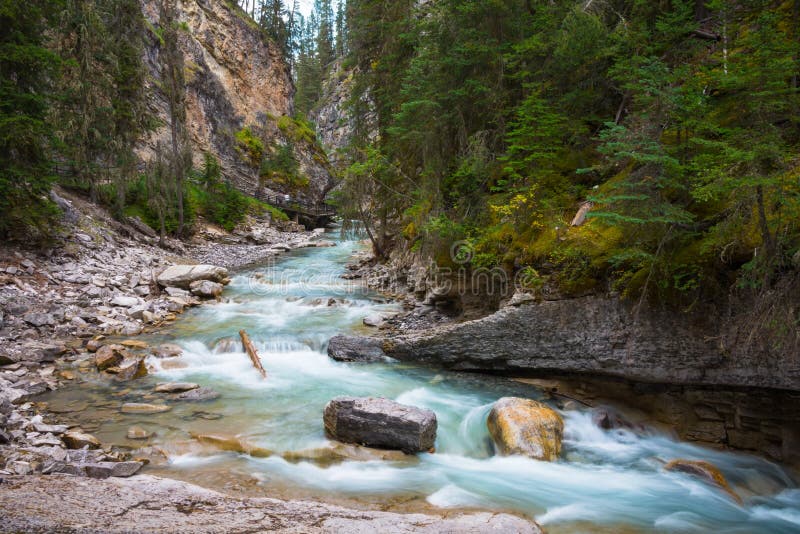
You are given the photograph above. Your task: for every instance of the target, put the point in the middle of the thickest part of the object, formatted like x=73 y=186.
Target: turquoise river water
x=606 y=481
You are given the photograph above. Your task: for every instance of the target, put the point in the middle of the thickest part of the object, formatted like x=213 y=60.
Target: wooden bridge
x=318 y=213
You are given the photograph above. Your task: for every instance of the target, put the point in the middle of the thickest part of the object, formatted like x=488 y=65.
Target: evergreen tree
x=174 y=87
x=27 y=68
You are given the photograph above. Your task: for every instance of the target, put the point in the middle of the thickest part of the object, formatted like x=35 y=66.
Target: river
x=606 y=481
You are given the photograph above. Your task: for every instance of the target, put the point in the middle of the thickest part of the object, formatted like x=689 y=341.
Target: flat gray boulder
x=381 y=423
x=148 y=504
x=182 y=276
x=356 y=349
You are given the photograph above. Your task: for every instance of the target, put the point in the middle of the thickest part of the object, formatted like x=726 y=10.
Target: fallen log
x=251 y=351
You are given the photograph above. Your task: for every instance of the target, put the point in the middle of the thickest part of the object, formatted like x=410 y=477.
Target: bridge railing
x=296 y=205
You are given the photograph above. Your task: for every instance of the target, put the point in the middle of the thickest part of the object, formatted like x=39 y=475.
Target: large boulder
x=356 y=349
x=382 y=423
x=182 y=276
x=525 y=427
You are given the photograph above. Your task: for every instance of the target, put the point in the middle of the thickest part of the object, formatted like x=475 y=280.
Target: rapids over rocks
x=273 y=438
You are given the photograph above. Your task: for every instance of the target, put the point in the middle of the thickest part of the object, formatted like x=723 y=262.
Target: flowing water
x=606 y=481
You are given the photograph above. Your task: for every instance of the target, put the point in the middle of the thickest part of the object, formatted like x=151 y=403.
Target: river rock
x=134 y=344
x=340 y=452
x=138 y=407
x=610 y=419
x=232 y=444
x=125 y=302
x=166 y=350
x=200 y=394
x=706 y=472
x=79 y=440
x=526 y=427
x=175 y=387
x=382 y=423
x=39 y=319
x=137 y=432
x=182 y=276
x=109 y=356
x=129 y=370
x=373 y=320
x=206 y=289
x=94 y=344
x=111 y=469
x=355 y=349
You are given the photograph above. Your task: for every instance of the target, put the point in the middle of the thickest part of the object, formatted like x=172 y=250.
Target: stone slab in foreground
x=149 y=504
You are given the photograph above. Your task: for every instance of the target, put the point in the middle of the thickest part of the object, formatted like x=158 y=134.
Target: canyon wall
x=235 y=78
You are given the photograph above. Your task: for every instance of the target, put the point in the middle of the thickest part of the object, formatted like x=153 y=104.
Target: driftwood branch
x=251 y=351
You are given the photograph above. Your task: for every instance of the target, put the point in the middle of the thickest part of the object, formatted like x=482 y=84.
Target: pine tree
x=174 y=86
x=27 y=68
x=341 y=28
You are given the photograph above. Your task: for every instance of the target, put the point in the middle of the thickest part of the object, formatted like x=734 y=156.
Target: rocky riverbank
x=100 y=279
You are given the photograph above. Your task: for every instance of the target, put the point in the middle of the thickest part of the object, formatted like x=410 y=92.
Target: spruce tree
x=27 y=69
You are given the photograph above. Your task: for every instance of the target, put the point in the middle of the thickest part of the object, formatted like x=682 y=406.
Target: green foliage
x=297 y=129
x=280 y=167
x=249 y=146
x=26 y=71
x=499 y=119
x=221 y=203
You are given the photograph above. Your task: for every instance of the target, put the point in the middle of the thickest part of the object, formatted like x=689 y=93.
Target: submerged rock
x=610 y=419
x=137 y=432
x=382 y=423
x=200 y=394
x=175 y=387
x=166 y=350
x=182 y=276
x=526 y=427
x=138 y=407
x=232 y=444
x=355 y=349
x=706 y=472
x=339 y=452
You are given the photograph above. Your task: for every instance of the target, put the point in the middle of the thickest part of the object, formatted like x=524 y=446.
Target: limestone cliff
x=235 y=79
x=333 y=114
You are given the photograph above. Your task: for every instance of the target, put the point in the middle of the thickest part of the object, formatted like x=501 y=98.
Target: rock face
x=593 y=336
x=235 y=79
x=355 y=349
x=381 y=423
x=182 y=276
x=57 y=504
x=526 y=427
x=335 y=124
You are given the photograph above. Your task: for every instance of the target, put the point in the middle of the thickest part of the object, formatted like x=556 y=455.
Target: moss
x=249 y=146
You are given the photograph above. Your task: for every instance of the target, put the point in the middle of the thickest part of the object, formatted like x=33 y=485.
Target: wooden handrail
x=299 y=206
